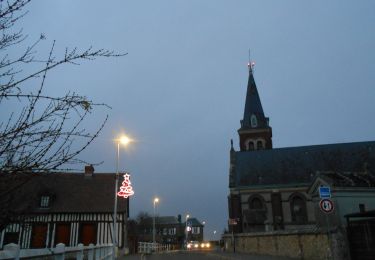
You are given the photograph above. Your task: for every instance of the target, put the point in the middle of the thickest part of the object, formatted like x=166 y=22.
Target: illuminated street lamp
x=186 y=228
x=124 y=140
x=156 y=200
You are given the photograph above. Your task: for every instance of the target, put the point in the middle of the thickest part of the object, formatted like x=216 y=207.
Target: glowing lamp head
x=156 y=200
x=124 y=140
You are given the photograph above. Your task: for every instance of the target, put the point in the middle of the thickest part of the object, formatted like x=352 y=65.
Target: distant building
x=195 y=230
x=169 y=230
x=273 y=189
x=69 y=208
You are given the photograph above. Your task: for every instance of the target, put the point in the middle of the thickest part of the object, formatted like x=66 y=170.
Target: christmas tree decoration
x=126 y=190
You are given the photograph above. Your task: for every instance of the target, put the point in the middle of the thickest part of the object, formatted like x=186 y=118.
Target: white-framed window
x=44 y=201
x=250 y=146
x=195 y=230
x=165 y=231
x=172 y=231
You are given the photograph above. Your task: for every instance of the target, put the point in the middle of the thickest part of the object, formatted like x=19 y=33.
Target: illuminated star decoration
x=126 y=189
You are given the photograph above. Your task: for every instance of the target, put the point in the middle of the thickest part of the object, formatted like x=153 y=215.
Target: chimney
x=89 y=170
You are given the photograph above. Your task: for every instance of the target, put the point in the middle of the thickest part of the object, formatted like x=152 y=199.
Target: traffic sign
x=232 y=221
x=324 y=192
x=326 y=205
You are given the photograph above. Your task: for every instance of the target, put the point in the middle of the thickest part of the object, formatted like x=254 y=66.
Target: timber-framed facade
x=69 y=208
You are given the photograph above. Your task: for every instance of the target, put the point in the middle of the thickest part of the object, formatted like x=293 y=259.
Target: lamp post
x=122 y=140
x=156 y=200
x=186 y=230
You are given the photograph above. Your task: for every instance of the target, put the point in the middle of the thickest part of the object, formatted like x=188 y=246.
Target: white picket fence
x=90 y=252
x=149 y=247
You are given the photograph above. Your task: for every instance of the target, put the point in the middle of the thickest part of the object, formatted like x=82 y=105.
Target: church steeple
x=255 y=132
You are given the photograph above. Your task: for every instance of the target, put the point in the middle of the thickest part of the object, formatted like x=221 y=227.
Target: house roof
x=365 y=214
x=348 y=179
x=71 y=192
x=298 y=165
x=194 y=222
x=164 y=220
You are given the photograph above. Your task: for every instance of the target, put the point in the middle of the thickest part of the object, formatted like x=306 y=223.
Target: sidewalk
x=204 y=255
x=243 y=256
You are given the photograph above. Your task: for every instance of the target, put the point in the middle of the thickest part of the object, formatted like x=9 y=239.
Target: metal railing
x=149 y=247
x=90 y=252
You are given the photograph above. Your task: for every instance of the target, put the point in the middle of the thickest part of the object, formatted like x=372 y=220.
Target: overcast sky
x=180 y=91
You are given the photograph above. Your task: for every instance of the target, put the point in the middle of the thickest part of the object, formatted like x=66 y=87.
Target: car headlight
x=203 y=245
x=208 y=245
x=196 y=245
x=189 y=246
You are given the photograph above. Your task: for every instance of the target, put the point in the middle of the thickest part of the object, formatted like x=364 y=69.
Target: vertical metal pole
x=126 y=247
x=233 y=241
x=115 y=206
x=186 y=232
x=153 y=227
x=329 y=237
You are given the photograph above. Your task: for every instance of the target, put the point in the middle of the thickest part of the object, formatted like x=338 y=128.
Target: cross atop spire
x=250 y=64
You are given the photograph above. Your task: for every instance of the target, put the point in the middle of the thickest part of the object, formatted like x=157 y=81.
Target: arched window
x=255 y=203
x=260 y=145
x=257 y=214
x=251 y=146
x=298 y=209
x=253 y=121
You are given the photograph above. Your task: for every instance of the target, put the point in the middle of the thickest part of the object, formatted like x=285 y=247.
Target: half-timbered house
x=69 y=208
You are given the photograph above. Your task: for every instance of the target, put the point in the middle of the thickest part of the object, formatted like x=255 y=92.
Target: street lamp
x=125 y=141
x=186 y=230
x=156 y=200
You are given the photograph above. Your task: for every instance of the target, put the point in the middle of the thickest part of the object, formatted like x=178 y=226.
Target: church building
x=274 y=189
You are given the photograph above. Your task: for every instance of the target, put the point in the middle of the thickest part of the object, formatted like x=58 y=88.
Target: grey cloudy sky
x=180 y=91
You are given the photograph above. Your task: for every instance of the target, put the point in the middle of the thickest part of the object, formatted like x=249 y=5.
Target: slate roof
x=164 y=220
x=71 y=192
x=253 y=104
x=298 y=165
x=194 y=222
x=348 y=179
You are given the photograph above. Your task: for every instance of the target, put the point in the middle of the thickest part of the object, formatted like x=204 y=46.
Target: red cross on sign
x=326 y=205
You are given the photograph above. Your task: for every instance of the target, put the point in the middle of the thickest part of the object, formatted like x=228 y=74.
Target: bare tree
x=42 y=133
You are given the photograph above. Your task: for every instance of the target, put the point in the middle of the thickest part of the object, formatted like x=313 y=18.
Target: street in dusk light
x=246 y=122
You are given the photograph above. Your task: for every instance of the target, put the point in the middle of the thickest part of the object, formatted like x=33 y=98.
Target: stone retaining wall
x=299 y=245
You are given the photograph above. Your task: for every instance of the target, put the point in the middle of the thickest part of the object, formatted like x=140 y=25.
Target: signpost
x=233 y=222
x=326 y=205
x=324 y=192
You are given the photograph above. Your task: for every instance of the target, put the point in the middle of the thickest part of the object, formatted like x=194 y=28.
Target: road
x=199 y=255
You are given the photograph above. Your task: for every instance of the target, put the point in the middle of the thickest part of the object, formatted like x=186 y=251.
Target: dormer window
x=253 y=121
x=45 y=201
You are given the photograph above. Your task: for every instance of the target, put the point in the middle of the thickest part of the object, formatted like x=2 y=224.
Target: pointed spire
x=255 y=132
x=253 y=114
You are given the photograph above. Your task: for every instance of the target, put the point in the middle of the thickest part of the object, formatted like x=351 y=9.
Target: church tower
x=255 y=132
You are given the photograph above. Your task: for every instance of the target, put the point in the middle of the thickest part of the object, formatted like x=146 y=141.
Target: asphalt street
x=200 y=255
